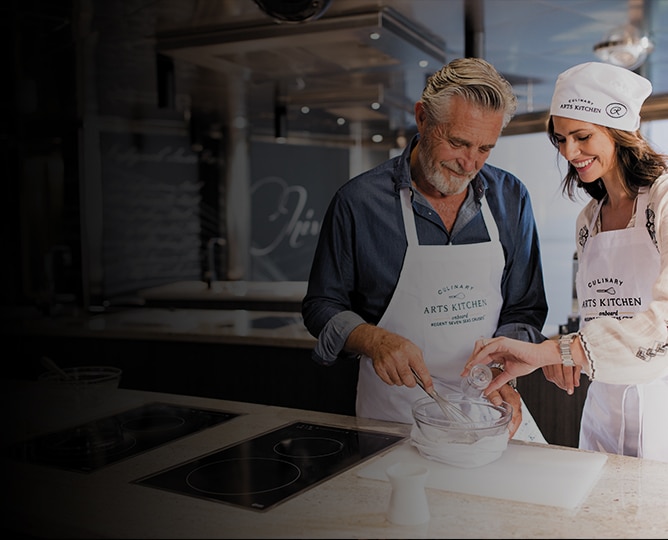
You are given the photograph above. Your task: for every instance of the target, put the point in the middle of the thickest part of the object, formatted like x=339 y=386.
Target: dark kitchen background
x=135 y=131
x=153 y=143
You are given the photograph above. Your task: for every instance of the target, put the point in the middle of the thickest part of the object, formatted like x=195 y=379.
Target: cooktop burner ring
x=238 y=474
x=109 y=439
x=308 y=447
x=251 y=475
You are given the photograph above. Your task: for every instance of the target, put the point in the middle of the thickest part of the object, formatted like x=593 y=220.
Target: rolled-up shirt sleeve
x=333 y=336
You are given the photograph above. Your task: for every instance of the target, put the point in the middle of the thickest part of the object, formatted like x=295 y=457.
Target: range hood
x=378 y=40
x=341 y=63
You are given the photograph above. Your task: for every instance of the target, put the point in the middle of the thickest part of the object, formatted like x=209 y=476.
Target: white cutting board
x=537 y=474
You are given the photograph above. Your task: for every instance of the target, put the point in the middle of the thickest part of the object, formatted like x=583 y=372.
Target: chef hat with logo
x=601 y=94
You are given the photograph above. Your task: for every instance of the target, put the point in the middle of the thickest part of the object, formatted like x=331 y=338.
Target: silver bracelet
x=565 y=349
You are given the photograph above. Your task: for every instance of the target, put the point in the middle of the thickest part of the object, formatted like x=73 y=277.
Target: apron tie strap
x=622 y=428
x=641 y=402
x=639 y=412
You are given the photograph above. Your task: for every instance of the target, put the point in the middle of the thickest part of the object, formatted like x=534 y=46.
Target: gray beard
x=433 y=175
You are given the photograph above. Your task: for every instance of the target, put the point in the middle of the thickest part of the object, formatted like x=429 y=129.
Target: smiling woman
x=619 y=239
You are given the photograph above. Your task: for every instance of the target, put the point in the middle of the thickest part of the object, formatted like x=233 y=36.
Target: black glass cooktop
x=266 y=470
x=87 y=447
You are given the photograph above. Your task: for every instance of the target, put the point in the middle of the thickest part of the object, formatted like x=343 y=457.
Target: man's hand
x=511 y=396
x=392 y=355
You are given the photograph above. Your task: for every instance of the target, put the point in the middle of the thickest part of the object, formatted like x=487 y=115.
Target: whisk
x=450 y=410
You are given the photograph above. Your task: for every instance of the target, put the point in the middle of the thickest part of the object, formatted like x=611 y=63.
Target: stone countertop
x=239 y=327
x=627 y=501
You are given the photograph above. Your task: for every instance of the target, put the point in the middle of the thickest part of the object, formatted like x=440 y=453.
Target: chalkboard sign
x=291 y=187
x=150 y=210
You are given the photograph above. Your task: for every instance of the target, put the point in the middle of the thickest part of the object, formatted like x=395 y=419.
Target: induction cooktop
x=261 y=472
x=95 y=444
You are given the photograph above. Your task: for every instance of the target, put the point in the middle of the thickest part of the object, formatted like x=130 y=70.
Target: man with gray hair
x=429 y=251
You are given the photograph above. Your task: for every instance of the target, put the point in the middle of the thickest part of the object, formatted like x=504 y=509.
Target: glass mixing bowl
x=461 y=444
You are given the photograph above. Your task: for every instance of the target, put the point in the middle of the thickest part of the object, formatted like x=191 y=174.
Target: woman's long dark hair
x=640 y=164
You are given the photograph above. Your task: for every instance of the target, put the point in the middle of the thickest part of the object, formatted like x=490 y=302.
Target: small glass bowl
x=462 y=444
x=89 y=383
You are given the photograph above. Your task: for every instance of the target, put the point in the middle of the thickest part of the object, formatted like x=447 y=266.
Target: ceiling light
x=294 y=11
x=624 y=46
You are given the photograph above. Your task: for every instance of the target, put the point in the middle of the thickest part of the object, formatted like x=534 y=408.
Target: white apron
x=446 y=298
x=615 y=277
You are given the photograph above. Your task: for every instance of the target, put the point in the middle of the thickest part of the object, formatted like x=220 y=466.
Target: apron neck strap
x=409 y=219
x=640 y=204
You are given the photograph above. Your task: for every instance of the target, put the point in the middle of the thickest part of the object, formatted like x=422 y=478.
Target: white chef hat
x=602 y=94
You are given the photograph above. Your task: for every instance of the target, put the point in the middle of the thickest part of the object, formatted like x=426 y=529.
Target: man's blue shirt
x=362 y=244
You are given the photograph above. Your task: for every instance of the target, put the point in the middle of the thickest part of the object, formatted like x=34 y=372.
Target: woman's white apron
x=615 y=277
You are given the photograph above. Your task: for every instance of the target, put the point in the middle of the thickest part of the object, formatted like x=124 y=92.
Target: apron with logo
x=615 y=277
x=446 y=298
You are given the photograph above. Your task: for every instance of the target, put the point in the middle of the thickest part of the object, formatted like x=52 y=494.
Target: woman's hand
x=566 y=378
x=518 y=358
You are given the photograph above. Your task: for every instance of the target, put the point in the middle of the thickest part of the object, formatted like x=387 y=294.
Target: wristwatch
x=499 y=366
x=565 y=349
